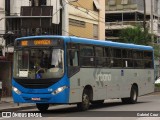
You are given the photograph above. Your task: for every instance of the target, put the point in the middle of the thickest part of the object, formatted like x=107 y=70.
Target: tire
x=84 y=105
x=133 y=96
x=97 y=102
x=42 y=107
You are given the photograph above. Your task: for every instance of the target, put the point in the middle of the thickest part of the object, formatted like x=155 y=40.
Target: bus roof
x=92 y=41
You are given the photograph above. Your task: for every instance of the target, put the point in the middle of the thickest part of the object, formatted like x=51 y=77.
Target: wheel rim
x=134 y=95
x=85 y=101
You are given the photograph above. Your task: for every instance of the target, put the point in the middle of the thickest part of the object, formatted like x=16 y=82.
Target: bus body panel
x=116 y=87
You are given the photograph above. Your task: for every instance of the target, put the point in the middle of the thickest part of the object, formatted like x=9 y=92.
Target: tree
x=135 y=35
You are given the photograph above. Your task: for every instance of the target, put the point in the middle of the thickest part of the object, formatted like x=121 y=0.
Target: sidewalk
x=6 y=100
x=7 y=104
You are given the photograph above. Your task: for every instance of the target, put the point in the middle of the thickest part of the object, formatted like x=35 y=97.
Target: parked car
x=157 y=81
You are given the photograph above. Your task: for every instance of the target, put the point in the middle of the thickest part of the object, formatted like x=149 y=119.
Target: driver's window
x=73 y=58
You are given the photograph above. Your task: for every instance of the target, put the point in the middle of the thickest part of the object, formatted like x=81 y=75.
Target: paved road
x=111 y=110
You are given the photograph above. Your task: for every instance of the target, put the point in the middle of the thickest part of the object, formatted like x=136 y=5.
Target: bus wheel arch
x=87 y=96
x=89 y=90
x=133 y=95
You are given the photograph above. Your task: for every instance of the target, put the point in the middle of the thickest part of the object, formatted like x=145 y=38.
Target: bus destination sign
x=40 y=42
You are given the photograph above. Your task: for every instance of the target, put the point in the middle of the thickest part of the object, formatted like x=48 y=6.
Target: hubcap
x=85 y=100
x=134 y=95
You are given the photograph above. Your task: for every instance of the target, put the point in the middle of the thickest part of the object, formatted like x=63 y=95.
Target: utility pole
x=144 y=19
x=152 y=36
x=65 y=21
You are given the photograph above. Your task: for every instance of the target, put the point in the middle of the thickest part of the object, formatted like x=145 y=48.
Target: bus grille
x=36 y=83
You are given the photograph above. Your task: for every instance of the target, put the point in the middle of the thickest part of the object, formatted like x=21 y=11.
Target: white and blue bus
x=72 y=70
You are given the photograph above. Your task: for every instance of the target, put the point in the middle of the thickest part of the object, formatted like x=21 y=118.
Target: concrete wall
x=86 y=32
x=85 y=12
x=81 y=14
x=86 y=4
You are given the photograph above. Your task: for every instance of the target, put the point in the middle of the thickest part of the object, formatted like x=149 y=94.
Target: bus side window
x=73 y=58
x=73 y=62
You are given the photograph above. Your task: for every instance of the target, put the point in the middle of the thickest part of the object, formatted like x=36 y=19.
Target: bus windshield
x=38 y=63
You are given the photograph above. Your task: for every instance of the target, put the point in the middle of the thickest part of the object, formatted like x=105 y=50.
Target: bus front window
x=38 y=63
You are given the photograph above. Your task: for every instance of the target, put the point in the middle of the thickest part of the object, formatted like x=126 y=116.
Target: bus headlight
x=16 y=90
x=58 y=90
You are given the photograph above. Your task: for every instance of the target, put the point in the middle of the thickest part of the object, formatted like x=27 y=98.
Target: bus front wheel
x=133 y=96
x=84 y=105
x=42 y=107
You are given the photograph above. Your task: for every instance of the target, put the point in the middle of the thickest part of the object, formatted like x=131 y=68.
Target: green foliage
x=135 y=35
x=156 y=50
x=157 y=85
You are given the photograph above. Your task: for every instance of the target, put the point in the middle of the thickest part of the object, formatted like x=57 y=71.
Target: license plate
x=36 y=99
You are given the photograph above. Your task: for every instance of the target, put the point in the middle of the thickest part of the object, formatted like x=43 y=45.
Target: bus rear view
x=39 y=73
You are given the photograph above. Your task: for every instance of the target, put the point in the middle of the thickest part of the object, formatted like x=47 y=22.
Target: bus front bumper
x=41 y=98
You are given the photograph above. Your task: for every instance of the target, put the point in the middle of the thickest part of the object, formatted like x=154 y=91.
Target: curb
x=17 y=108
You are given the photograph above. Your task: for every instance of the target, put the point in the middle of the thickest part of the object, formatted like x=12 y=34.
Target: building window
x=95 y=31
x=42 y=2
x=111 y=2
x=124 y=2
x=76 y=23
x=38 y=2
x=156 y=6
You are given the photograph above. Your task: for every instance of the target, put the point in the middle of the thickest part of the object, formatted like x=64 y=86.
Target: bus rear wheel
x=84 y=105
x=133 y=96
x=42 y=107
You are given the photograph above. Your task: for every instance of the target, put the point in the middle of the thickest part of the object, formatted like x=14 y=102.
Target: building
x=87 y=20
x=63 y=17
x=128 y=13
